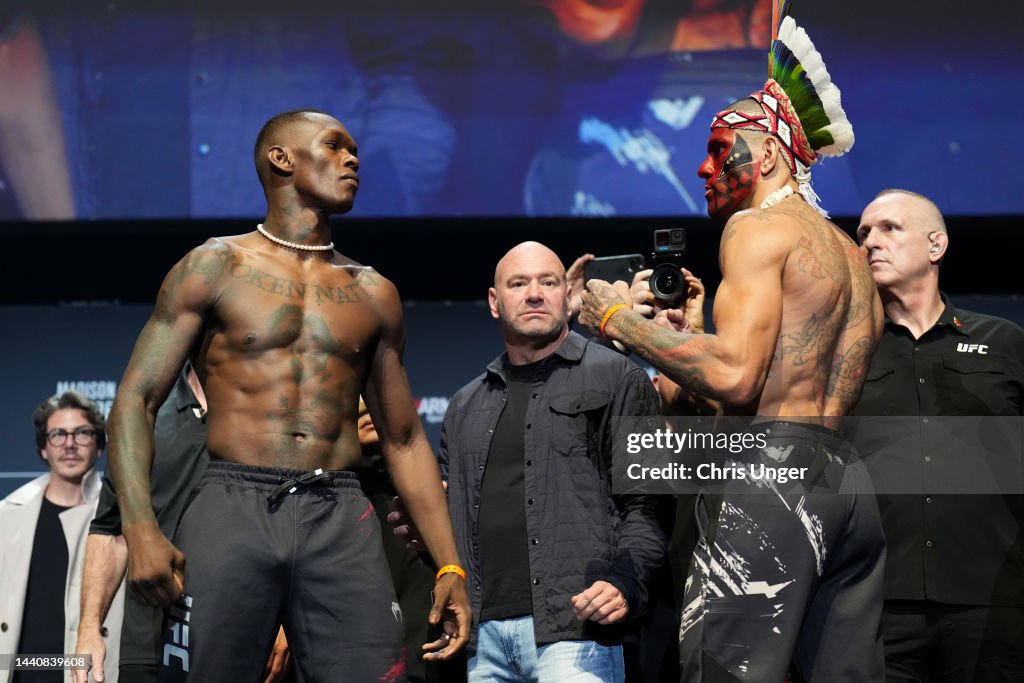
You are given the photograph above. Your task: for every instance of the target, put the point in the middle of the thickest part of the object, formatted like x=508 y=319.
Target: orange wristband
x=608 y=315
x=450 y=568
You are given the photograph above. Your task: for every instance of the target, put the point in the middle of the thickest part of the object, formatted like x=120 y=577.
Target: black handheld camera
x=667 y=283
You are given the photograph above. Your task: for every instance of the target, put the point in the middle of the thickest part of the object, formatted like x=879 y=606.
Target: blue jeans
x=507 y=651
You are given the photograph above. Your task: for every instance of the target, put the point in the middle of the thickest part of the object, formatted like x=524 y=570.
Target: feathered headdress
x=801 y=105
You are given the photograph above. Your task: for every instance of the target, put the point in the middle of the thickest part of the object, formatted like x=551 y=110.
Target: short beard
x=534 y=339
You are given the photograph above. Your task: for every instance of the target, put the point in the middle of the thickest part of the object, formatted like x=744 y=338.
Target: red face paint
x=729 y=172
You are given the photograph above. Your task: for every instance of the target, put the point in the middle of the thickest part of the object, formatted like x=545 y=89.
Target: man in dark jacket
x=556 y=563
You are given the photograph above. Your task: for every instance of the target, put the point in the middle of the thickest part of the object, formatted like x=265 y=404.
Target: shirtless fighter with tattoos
x=784 y=579
x=285 y=334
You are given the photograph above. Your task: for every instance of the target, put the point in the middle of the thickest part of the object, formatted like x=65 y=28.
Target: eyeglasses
x=83 y=436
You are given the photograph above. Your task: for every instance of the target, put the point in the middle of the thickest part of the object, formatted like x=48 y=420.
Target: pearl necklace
x=777 y=196
x=294 y=245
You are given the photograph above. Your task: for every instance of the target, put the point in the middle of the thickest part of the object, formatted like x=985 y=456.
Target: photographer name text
x=707 y=472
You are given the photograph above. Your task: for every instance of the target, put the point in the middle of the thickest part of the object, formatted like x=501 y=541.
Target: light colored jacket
x=19 y=513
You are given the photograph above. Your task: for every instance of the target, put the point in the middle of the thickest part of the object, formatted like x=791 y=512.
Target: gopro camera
x=667 y=283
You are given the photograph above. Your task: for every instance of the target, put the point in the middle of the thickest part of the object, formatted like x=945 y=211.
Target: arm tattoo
x=679 y=355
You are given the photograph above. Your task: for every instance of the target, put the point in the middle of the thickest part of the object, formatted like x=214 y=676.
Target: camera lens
x=667 y=284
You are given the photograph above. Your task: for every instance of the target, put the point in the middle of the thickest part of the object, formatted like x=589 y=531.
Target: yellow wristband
x=452 y=569
x=608 y=315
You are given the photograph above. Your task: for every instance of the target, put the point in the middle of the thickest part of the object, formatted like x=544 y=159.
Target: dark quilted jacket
x=577 y=530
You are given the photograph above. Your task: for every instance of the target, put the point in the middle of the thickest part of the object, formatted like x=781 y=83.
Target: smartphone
x=612 y=268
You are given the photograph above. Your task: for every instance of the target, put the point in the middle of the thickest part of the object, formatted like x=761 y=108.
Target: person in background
x=43 y=528
x=557 y=562
x=954 y=584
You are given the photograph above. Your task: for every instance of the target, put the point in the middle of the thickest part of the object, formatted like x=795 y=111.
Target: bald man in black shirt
x=954 y=586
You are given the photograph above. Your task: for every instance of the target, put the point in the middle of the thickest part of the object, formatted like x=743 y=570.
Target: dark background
x=428 y=259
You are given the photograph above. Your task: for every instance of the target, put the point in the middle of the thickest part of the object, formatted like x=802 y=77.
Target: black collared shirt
x=960 y=549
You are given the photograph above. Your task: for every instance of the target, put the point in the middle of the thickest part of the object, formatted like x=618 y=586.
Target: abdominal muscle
x=268 y=418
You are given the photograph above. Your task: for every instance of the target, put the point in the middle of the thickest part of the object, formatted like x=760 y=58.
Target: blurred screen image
x=523 y=108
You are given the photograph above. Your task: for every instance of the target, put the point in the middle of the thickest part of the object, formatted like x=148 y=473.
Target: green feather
x=787 y=71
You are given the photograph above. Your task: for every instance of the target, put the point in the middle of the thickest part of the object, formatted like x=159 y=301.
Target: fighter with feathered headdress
x=799 y=104
x=788 y=578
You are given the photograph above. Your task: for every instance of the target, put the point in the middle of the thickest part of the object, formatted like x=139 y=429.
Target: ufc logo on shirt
x=981 y=349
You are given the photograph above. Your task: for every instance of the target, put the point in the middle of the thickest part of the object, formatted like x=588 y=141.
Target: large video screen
x=112 y=109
